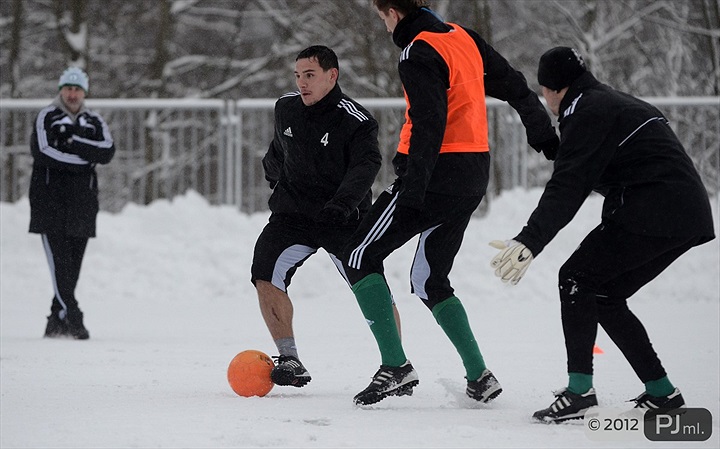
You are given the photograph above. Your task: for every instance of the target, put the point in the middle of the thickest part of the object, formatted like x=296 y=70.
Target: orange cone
x=597 y=350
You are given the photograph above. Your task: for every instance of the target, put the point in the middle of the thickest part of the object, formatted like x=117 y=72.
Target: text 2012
x=621 y=424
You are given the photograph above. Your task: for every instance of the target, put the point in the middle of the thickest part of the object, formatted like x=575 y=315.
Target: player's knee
x=574 y=287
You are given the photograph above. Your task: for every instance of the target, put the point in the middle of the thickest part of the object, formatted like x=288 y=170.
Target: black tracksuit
x=321 y=155
x=64 y=191
x=656 y=208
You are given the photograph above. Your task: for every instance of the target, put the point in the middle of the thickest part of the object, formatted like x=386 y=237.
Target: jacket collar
x=327 y=102
x=414 y=23
x=580 y=85
x=58 y=103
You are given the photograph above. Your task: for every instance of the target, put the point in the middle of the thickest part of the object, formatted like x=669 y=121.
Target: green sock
x=580 y=383
x=375 y=302
x=450 y=315
x=660 y=387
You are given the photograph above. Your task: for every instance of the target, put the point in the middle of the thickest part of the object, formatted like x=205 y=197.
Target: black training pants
x=64 y=255
x=440 y=225
x=608 y=267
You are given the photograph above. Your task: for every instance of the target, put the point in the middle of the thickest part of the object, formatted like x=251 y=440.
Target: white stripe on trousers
x=51 y=264
x=374 y=235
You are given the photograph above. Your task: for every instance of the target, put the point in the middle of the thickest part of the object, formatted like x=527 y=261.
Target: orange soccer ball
x=249 y=373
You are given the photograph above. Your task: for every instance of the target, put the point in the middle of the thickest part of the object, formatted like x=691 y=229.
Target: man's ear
x=395 y=14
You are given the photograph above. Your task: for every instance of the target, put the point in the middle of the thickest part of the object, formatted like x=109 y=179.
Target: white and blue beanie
x=74 y=76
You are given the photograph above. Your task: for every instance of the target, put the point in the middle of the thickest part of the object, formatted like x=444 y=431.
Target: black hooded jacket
x=624 y=149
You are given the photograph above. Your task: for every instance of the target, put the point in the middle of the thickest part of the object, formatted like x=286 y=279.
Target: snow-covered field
x=167 y=299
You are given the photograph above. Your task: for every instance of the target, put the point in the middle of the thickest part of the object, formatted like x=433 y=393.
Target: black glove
x=548 y=147
x=85 y=128
x=331 y=215
x=62 y=137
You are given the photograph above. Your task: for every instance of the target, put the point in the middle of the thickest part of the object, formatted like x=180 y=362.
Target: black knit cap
x=559 y=67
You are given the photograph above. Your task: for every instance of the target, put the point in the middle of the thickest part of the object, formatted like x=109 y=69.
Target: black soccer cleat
x=485 y=388
x=289 y=370
x=389 y=381
x=567 y=406
x=670 y=402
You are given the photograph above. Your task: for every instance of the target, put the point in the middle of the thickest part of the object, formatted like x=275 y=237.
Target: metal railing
x=165 y=147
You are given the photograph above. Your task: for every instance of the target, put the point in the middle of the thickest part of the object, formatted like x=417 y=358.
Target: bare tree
x=234 y=49
x=711 y=19
x=73 y=30
x=14 y=57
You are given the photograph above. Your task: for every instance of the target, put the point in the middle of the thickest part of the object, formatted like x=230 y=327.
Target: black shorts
x=441 y=225
x=615 y=264
x=288 y=240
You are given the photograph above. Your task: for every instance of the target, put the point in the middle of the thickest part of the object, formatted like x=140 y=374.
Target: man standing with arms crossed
x=442 y=166
x=68 y=140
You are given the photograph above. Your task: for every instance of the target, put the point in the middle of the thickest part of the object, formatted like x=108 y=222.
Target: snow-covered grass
x=167 y=299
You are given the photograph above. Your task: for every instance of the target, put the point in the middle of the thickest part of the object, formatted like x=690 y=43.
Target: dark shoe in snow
x=389 y=381
x=655 y=405
x=485 y=388
x=289 y=370
x=76 y=328
x=567 y=406
x=56 y=328
x=672 y=401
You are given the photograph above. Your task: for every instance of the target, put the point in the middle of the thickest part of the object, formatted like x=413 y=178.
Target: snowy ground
x=168 y=303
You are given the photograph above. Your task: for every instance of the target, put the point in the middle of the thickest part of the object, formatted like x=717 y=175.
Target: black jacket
x=425 y=77
x=624 y=149
x=322 y=154
x=63 y=184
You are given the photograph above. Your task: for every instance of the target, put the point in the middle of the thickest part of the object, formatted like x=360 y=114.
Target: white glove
x=512 y=262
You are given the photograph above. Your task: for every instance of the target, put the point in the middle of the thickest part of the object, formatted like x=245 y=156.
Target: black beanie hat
x=559 y=67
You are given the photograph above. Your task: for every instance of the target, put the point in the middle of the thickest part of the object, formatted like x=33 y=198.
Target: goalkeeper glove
x=512 y=261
